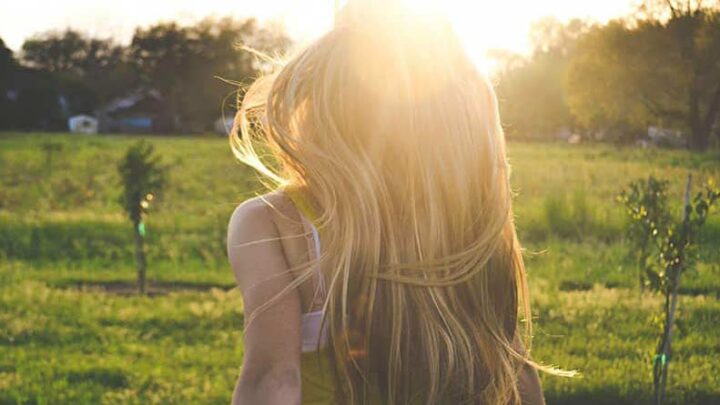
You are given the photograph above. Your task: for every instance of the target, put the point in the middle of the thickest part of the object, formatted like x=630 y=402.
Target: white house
x=83 y=124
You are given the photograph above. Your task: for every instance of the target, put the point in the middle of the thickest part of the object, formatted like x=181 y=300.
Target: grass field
x=71 y=331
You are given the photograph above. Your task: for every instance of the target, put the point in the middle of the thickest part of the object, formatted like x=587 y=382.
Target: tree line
x=61 y=73
x=659 y=67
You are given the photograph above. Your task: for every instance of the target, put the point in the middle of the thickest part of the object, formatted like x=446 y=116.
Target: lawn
x=72 y=331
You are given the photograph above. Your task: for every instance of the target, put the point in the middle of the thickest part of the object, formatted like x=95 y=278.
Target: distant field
x=71 y=332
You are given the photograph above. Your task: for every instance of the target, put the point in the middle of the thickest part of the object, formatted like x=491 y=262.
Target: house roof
x=129 y=101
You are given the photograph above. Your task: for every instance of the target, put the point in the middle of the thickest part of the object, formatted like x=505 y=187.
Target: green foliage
x=678 y=240
x=182 y=62
x=604 y=94
x=530 y=90
x=67 y=51
x=36 y=103
x=646 y=203
x=142 y=178
x=7 y=60
x=88 y=71
x=8 y=64
x=657 y=67
x=73 y=331
x=656 y=236
x=650 y=71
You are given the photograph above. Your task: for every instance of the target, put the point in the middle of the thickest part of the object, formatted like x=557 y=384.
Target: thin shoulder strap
x=316 y=238
x=305 y=213
x=316 y=245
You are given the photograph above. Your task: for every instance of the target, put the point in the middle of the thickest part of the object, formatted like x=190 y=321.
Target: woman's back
x=300 y=243
x=388 y=140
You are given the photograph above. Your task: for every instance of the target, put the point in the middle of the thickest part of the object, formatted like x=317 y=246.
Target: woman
x=384 y=267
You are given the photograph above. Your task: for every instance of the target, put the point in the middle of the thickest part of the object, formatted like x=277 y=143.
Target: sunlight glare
x=483 y=26
x=471 y=33
x=472 y=25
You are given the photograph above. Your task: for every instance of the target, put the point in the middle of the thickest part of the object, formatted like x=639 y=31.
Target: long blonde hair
x=393 y=137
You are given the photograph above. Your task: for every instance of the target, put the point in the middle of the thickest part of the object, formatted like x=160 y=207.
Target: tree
x=696 y=30
x=622 y=79
x=657 y=69
x=55 y=51
x=7 y=61
x=8 y=66
x=530 y=91
x=143 y=178
x=89 y=71
x=646 y=204
x=182 y=62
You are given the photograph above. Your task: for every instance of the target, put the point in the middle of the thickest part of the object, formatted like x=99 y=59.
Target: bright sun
x=483 y=25
x=467 y=21
x=478 y=29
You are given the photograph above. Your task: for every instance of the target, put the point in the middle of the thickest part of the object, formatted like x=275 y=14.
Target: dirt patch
x=155 y=288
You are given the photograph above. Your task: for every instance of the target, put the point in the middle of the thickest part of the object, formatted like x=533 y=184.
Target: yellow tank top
x=318 y=384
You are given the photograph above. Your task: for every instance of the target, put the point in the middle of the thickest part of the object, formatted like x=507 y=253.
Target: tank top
x=318 y=383
x=314 y=334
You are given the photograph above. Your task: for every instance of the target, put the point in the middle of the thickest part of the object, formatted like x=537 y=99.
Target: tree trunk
x=698 y=135
x=685 y=25
x=699 y=140
x=712 y=112
x=140 y=259
x=660 y=361
x=660 y=368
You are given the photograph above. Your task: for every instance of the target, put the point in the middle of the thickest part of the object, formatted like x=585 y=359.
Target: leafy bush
x=142 y=178
x=670 y=244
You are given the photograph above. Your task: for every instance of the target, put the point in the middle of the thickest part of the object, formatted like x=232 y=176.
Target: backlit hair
x=389 y=132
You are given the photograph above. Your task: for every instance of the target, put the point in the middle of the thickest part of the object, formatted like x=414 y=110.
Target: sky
x=481 y=24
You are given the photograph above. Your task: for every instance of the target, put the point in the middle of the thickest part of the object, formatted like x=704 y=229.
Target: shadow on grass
x=107 y=377
x=125 y=288
x=691 y=290
x=76 y=240
x=610 y=396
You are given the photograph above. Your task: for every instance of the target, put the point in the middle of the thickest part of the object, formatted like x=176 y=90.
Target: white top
x=314 y=336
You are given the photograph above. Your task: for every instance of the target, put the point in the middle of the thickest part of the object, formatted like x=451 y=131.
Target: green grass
x=71 y=331
x=71 y=346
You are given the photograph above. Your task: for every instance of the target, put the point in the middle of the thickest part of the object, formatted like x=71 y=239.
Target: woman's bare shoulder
x=272 y=343
x=255 y=237
x=263 y=211
x=251 y=217
x=258 y=215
